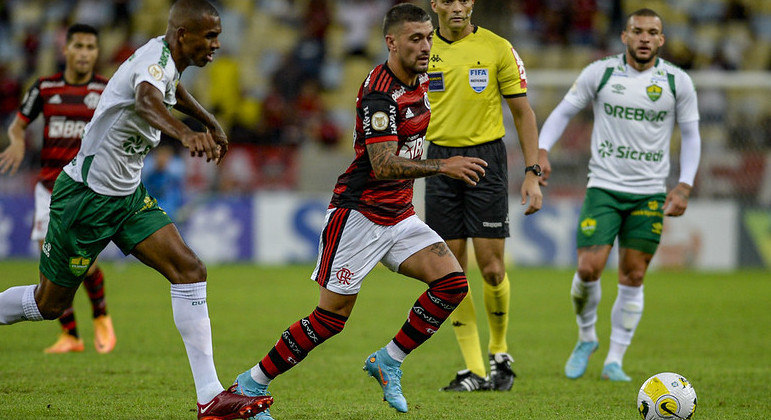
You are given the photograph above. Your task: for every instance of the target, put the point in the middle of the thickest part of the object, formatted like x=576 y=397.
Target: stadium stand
x=285 y=77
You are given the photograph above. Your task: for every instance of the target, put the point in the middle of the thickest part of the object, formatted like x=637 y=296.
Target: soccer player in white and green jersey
x=636 y=98
x=99 y=198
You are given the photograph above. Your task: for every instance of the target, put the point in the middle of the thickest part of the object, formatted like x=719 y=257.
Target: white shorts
x=351 y=245
x=42 y=212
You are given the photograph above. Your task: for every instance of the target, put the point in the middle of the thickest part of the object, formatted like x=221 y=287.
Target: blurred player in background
x=470 y=69
x=636 y=98
x=99 y=197
x=164 y=176
x=371 y=218
x=67 y=101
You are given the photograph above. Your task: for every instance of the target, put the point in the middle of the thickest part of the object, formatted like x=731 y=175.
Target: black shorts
x=456 y=210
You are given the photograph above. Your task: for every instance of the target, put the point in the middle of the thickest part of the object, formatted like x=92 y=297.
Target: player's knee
x=51 y=310
x=633 y=278
x=451 y=288
x=493 y=274
x=192 y=270
x=588 y=272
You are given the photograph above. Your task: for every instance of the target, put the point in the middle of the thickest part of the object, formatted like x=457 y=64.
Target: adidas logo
x=409 y=113
x=56 y=99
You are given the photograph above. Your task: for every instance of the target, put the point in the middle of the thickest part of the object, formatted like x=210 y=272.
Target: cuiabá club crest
x=654 y=92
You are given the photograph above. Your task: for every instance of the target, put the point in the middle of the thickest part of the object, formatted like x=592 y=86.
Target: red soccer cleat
x=227 y=405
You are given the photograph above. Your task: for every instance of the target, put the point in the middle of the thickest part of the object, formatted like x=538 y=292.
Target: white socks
x=259 y=376
x=626 y=314
x=191 y=315
x=395 y=352
x=586 y=297
x=18 y=304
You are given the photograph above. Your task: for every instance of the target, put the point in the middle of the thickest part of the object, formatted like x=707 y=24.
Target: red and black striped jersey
x=67 y=109
x=386 y=110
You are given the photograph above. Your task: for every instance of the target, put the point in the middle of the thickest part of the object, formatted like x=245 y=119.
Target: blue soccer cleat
x=245 y=385
x=576 y=364
x=613 y=372
x=386 y=371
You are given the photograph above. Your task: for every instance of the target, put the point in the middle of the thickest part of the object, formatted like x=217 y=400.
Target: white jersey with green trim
x=634 y=115
x=117 y=139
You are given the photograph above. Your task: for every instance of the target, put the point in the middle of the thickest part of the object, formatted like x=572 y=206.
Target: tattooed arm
x=388 y=165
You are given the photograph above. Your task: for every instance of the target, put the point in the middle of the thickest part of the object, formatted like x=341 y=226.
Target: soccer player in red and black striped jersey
x=67 y=101
x=371 y=218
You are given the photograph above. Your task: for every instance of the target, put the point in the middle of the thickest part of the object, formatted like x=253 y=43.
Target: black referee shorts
x=456 y=210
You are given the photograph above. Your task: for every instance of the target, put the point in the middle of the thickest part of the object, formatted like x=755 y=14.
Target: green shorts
x=84 y=222
x=636 y=219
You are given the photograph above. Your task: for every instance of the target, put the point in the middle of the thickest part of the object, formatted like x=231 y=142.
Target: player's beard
x=415 y=67
x=654 y=53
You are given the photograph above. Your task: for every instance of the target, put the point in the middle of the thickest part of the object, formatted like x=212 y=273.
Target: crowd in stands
x=288 y=70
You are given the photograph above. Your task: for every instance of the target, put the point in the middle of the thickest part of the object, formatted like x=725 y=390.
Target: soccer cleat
x=613 y=372
x=104 y=334
x=576 y=364
x=501 y=375
x=228 y=405
x=65 y=344
x=466 y=380
x=386 y=371
x=245 y=385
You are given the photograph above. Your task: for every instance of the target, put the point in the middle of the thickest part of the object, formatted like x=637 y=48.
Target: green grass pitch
x=712 y=328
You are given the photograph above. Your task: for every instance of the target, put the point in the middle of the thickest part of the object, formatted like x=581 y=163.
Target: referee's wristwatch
x=535 y=168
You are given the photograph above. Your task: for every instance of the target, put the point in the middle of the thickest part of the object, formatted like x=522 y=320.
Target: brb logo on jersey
x=61 y=127
x=412 y=148
x=478 y=79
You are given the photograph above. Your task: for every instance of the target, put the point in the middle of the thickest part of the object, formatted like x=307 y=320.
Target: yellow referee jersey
x=466 y=80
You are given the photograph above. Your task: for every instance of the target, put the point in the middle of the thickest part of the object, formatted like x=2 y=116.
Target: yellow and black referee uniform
x=466 y=81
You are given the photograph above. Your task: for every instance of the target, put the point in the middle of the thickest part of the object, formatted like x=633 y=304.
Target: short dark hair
x=643 y=12
x=199 y=7
x=403 y=12
x=81 y=28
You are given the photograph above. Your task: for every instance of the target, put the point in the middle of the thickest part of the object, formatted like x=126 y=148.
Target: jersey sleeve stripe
x=379 y=81
x=22 y=117
x=384 y=82
x=381 y=139
x=377 y=77
x=605 y=78
x=516 y=95
x=671 y=81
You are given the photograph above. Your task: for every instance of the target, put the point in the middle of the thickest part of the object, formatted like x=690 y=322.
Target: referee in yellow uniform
x=469 y=70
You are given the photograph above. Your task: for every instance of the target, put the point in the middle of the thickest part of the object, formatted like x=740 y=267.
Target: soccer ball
x=666 y=396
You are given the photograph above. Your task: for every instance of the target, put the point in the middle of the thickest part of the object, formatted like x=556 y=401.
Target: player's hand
x=468 y=169
x=11 y=158
x=201 y=143
x=677 y=200
x=531 y=188
x=543 y=160
x=221 y=139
